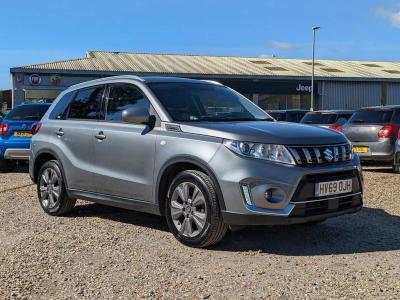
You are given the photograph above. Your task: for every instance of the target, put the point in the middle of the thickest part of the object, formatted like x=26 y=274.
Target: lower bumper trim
x=236 y=219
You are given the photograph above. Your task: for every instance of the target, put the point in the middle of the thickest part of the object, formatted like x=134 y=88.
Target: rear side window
x=371 y=117
x=121 y=97
x=86 y=104
x=319 y=118
x=59 y=110
x=27 y=112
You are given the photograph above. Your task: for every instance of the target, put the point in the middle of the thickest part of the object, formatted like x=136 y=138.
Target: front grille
x=306 y=188
x=326 y=206
x=312 y=155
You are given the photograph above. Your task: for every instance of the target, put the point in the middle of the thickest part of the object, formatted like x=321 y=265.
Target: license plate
x=360 y=149
x=333 y=187
x=22 y=134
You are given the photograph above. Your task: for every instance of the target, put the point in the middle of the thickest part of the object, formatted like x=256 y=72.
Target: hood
x=266 y=132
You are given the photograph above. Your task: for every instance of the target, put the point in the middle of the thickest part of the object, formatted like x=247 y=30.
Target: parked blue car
x=15 y=133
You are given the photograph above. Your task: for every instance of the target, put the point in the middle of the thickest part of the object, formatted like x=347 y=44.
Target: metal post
x=315 y=28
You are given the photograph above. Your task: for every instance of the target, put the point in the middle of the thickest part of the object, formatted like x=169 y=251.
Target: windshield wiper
x=357 y=121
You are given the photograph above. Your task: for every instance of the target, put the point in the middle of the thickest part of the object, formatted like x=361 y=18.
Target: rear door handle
x=100 y=136
x=60 y=132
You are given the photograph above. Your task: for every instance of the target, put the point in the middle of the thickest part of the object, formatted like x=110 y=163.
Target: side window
x=396 y=118
x=121 y=97
x=59 y=110
x=86 y=104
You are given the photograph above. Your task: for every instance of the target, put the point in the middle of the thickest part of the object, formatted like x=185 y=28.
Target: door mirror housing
x=137 y=115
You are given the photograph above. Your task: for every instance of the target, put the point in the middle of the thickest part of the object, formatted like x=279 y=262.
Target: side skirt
x=127 y=203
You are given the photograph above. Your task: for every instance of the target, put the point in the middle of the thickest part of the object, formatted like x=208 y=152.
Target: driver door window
x=121 y=97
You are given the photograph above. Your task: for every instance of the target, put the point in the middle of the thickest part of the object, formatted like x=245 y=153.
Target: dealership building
x=272 y=83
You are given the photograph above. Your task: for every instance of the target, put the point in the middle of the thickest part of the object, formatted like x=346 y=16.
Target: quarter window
x=86 y=104
x=121 y=97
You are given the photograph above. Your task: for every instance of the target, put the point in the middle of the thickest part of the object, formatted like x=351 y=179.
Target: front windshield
x=191 y=102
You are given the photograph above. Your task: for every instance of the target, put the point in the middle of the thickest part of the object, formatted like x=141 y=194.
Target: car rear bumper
x=17 y=153
x=381 y=151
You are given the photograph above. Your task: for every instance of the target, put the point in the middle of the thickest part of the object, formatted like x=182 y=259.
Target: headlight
x=271 y=152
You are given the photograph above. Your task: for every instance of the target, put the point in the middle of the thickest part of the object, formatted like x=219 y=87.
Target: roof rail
x=100 y=80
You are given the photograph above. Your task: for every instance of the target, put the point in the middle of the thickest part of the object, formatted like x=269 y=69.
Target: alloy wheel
x=188 y=209
x=50 y=188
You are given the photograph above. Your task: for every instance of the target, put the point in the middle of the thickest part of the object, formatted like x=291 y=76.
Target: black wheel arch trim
x=195 y=161
x=51 y=152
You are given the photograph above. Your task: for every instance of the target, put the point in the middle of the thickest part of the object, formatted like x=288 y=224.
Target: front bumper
x=293 y=188
x=300 y=213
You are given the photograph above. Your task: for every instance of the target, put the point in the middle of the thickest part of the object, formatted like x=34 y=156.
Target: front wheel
x=51 y=190
x=192 y=211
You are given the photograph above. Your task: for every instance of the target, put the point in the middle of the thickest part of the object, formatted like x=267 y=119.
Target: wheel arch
x=176 y=165
x=41 y=158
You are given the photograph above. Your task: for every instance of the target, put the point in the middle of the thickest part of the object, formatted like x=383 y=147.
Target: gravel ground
x=100 y=252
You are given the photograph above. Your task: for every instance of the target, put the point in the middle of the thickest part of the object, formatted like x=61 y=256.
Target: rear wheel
x=7 y=165
x=192 y=210
x=51 y=190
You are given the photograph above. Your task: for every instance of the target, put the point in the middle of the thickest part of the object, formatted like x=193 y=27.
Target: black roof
x=386 y=107
x=287 y=110
x=334 y=111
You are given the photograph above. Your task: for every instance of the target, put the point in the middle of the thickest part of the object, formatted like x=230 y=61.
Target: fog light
x=246 y=194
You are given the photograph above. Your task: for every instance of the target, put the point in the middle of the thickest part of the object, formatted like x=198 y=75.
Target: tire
x=51 y=182
x=196 y=223
x=7 y=165
x=396 y=169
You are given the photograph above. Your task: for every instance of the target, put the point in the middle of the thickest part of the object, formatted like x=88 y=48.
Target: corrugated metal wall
x=393 y=93
x=348 y=95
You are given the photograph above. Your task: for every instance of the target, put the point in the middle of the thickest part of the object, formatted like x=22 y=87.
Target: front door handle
x=100 y=136
x=60 y=132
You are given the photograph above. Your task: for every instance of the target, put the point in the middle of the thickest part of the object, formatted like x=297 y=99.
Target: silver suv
x=194 y=151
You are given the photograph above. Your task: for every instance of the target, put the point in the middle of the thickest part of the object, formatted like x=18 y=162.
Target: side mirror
x=137 y=115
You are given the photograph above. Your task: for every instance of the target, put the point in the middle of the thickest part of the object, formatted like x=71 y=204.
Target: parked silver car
x=396 y=162
x=159 y=145
x=373 y=132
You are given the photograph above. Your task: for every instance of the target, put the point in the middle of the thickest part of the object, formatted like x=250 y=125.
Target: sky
x=42 y=31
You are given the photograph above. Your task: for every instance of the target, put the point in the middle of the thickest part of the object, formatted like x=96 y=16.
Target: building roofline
x=197 y=75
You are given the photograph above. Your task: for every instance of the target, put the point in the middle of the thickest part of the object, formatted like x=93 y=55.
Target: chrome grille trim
x=313 y=155
x=307 y=154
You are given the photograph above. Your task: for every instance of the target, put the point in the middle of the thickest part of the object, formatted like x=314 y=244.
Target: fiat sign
x=35 y=79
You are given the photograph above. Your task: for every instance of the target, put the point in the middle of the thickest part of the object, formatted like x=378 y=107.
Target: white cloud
x=281 y=45
x=392 y=16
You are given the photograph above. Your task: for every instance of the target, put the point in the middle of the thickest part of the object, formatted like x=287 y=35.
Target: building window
x=274 y=102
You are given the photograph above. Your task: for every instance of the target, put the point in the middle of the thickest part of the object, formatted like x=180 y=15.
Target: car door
x=124 y=153
x=73 y=130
